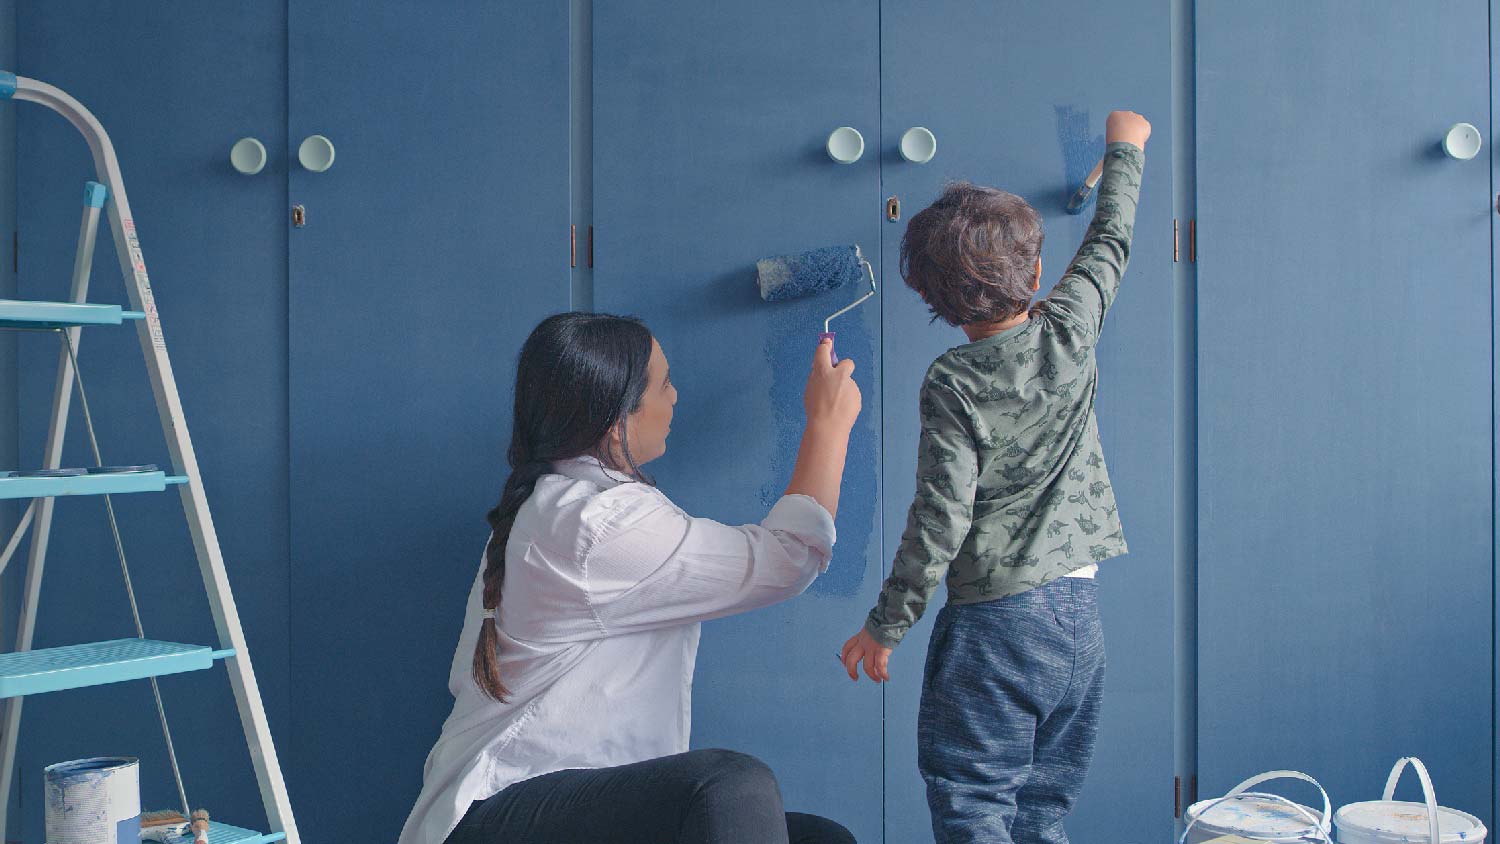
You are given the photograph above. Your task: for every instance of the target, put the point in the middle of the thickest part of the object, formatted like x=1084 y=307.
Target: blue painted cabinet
x=435 y=242
x=1016 y=95
x=157 y=77
x=1345 y=395
x=709 y=130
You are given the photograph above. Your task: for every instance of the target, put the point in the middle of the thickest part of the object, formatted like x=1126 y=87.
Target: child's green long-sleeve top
x=1012 y=490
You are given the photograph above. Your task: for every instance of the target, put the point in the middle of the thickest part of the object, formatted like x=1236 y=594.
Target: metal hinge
x=1174 y=245
x=1192 y=241
x=572 y=246
x=1176 y=797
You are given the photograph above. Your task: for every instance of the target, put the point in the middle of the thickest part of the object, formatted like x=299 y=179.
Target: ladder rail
x=184 y=460
x=36 y=555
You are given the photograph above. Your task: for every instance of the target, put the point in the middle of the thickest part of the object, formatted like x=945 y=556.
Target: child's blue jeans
x=1010 y=708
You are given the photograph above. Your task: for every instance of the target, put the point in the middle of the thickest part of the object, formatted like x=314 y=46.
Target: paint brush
x=1085 y=190
x=200 y=827
x=162 y=825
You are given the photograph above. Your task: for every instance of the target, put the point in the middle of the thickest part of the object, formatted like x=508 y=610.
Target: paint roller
x=813 y=272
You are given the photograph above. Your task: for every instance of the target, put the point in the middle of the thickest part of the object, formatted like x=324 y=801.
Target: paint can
x=1258 y=816
x=1387 y=821
x=94 y=801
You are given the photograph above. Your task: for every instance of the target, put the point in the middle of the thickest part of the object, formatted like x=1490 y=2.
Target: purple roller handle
x=833 y=357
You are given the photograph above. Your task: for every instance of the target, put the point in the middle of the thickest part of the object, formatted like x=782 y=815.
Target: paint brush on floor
x=813 y=272
x=162 y=826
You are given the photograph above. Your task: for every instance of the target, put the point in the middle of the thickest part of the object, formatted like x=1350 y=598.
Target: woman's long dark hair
x=580 y=375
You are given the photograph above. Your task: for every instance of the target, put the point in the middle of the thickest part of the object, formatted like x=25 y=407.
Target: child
x=1014 y=503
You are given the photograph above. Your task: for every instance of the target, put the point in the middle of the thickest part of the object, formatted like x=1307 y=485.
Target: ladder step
x=223 y=833
x=20 y=314
x=97 y=663
x=113 y=483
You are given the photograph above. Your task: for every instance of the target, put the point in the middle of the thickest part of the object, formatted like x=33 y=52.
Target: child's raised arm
x=1089 y=286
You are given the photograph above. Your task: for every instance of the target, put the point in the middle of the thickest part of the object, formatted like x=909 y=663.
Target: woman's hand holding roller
x=832 y=403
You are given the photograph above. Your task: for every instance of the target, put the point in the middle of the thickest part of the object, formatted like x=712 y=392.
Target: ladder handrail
x=184 y=461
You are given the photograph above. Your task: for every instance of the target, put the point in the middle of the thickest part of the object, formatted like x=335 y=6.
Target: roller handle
x=833 y=357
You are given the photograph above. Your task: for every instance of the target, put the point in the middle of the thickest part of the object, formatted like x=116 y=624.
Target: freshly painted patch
x=791 y=337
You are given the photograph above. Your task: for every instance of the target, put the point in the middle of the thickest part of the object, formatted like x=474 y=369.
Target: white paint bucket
x=1387 y=821
x=94 y=801
x=1258 y=816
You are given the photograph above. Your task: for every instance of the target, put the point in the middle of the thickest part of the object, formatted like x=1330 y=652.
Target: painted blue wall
x=433 y=246
x=1345 y=515
x=737 y=103
x=438 y=239
x=158 y=81
x=989 y=80
x=9 y=370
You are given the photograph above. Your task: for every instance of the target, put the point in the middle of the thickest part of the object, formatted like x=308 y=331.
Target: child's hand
x=1126 y=126
x=862 y=647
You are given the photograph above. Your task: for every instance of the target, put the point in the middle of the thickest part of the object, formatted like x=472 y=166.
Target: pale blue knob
x=316 y=153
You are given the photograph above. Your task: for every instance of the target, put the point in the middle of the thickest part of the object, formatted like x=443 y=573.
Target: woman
x=573 y=676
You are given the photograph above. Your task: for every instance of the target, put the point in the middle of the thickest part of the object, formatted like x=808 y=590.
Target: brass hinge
x=1193 y=241
x=1174 y=240
x=1176 y=797
x=572 y=246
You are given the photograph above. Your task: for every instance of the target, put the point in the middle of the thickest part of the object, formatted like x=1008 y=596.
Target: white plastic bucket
x=94 y=801
x=1387 y=821
x=1258 y=816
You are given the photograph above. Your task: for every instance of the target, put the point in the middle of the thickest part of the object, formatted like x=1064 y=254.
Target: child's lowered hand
x=1126 y=126
x=862 y=647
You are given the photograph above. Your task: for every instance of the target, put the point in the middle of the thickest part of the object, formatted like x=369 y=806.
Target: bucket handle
x=1433 y=831
x=1275 y=798
x=1325 y=824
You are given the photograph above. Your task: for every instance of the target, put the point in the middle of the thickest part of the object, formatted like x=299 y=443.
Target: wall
x=9 y=406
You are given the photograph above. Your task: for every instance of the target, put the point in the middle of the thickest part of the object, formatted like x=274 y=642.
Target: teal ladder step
x=18 y=314
x=222 y=833
x=113 y=483
x=97 y=663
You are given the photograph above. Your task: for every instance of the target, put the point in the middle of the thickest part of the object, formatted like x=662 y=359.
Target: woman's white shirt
x=605 y=583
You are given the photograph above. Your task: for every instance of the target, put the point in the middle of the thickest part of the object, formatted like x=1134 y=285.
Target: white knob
x=918 y=145
x=316 y=153
x=846 y=145
x=248 y=156
x=1462 y=141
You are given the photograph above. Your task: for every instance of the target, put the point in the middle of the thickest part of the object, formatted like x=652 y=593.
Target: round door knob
x=846 y=145
x=918 y=145
x=248 y=156
x=1462 y=141
x=316 y=153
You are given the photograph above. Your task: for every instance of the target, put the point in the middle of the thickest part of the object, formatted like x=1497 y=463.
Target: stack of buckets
x=94 y=801
x=1252 y=817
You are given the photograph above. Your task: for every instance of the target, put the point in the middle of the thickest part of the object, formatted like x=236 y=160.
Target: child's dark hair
x=971 y=255
x=579 y=375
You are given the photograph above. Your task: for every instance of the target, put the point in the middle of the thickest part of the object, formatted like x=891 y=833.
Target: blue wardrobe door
x=1345 y=564
x=710 y=124
x=433 y=244
x=1016 y=95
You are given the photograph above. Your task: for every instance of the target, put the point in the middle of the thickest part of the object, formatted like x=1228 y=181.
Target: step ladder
x=27 y=672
